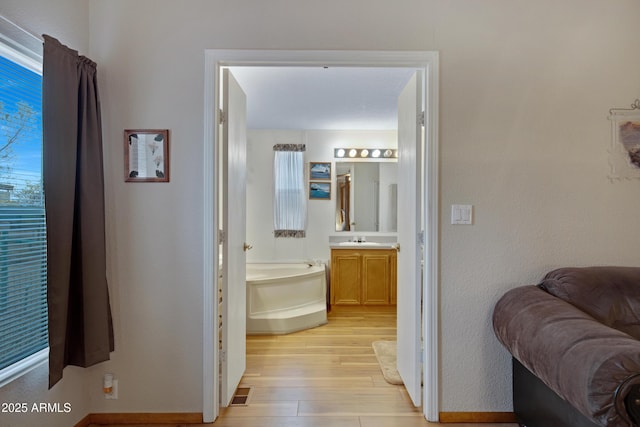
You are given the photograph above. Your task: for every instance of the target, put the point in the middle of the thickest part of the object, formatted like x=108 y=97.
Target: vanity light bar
x=365 y=153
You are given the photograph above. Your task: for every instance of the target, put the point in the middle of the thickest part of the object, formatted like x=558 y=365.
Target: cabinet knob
x=396 y=247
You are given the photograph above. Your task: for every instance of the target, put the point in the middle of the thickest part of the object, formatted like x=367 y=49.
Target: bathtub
x=284 y=298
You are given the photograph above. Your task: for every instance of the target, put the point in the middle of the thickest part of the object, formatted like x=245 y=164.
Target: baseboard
x=85 y=422
x=477 y=417
x=196 y=418
x=141 y=418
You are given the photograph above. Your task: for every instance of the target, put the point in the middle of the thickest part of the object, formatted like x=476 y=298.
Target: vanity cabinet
x=363 y=276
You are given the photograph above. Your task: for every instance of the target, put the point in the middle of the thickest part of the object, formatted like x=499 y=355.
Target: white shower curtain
x=290 y=201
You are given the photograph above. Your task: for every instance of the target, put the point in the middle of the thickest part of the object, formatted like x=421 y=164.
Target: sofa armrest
x=590 y=365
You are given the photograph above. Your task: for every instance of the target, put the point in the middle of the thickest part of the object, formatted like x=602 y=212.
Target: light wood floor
x=326 y=376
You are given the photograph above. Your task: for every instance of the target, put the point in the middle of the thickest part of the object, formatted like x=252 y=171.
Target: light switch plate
x=461 y=214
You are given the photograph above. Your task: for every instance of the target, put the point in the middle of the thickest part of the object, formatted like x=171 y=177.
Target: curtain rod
x=21 y=29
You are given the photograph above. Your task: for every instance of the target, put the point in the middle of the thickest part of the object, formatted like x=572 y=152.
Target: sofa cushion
x=609 y=294
x=590 y=365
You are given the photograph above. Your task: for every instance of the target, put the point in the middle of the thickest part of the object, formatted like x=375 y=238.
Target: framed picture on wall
x=624 y=154
x=320 y=170
x=146 y=155
x=319 y=190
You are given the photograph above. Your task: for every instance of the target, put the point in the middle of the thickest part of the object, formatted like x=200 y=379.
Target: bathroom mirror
x=366 y=196
x=146 y=155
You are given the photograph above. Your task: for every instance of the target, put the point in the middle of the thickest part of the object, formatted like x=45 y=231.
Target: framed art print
x=146 y=155
x=319 y=190
x=319 y=170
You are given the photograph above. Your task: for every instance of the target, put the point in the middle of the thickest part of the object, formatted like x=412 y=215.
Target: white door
x=409 y=267
x=234 y=289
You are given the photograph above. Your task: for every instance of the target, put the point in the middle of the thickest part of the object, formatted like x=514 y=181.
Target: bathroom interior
x=293 y=282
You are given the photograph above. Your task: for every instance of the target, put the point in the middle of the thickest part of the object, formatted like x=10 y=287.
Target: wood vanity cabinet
x=363 y=276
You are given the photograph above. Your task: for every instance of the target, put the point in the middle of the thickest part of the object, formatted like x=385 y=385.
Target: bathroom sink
x=359 y=244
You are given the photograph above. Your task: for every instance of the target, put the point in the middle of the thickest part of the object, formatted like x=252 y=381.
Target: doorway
x=215 y=60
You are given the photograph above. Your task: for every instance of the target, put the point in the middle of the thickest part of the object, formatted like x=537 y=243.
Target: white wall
x=68 y=21
x=321 y=213
x=525 y=90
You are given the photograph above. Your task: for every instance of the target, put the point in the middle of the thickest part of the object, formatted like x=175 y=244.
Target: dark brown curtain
x=80 y=326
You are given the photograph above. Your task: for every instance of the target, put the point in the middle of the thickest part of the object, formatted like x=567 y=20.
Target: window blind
x=23 y=260
x=23 y=287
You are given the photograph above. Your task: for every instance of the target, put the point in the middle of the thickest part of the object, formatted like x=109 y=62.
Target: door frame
x=215 y=60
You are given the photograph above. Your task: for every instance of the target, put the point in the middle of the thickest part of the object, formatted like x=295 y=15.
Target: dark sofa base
x=536 y=405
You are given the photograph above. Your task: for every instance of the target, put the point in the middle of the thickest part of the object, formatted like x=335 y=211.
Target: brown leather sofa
x=575 y=342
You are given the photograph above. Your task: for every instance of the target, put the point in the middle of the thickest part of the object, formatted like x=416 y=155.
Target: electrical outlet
x=114 y=391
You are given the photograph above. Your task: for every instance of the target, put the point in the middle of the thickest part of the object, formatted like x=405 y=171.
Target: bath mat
x=386 y=354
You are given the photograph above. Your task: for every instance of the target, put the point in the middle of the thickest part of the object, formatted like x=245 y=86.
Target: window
x=23 y=289
x=290 y=205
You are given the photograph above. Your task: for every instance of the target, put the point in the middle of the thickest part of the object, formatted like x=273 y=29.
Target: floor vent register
x=241 y=397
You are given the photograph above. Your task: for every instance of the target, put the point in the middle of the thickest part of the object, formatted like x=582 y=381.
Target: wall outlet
x=114 y=391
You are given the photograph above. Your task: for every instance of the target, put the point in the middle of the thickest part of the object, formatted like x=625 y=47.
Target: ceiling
x=335 y=98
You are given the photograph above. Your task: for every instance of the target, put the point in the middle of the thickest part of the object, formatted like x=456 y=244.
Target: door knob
x=247 y=247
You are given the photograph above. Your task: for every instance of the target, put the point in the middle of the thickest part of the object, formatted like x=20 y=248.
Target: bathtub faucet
x=314 y=262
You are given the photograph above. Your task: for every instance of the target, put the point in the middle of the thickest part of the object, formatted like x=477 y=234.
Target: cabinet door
x=376 y=275
x=393 y=283
x=345 y=278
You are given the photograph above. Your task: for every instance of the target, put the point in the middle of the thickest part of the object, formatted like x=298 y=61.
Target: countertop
x=362 y=245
